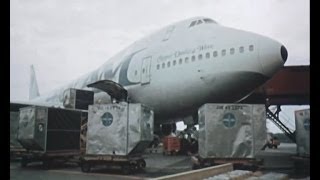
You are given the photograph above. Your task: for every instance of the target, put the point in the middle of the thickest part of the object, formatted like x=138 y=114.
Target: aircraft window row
x=207 y=56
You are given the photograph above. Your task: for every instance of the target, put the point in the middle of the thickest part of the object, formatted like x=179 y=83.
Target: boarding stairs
x=274 y=117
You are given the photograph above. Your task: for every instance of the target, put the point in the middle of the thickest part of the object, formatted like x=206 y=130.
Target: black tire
x=85 y=167
x=142 y=163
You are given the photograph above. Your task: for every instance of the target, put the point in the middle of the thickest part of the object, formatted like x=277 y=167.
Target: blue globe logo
x=229 y=120
x=107 y=119
x=306 y=124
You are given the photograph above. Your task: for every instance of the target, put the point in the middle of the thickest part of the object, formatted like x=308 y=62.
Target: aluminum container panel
x=14 y=126
x=118 y=129
x=32 y=128
x=140 y=128
x=107 y=130
x=231 y=130
x=302 y=121
x=69 y=98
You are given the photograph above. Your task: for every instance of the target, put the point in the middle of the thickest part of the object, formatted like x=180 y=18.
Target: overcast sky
x=66 y=39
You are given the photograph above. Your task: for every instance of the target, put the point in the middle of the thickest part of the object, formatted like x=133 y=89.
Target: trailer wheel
x=85 y=167
x=142 y=163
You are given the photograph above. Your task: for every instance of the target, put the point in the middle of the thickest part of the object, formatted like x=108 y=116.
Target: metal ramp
x=274 y=117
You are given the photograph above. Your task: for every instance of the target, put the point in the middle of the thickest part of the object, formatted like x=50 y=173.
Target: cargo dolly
x=47 y=158
x=128 y=164
x=16 y=152
x=251 y=164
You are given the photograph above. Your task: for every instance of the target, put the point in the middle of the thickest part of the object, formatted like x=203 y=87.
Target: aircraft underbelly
x=182 y=100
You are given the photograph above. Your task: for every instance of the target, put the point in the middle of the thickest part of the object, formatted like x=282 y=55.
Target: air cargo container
x=117 y=134
x=77 y=98
x=229 y=132
x=48 y=133
x=302 y=119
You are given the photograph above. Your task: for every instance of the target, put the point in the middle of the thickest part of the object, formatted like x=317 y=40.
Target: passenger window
x=241 y=49
x=180 y=61
x=223 y=52
x=251 y=48
x=168 y=64
x=174 y=62
x=158 y=67
x=232 y=51
x=215 y=53
x=163 y=65
x=207 y=55
x=186 y=60
x=143 y=70
x=200 y=57
x=199 y=22
x=136 y=72
x=193 y=58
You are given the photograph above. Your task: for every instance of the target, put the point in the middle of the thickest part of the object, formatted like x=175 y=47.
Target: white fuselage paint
x=179 y=90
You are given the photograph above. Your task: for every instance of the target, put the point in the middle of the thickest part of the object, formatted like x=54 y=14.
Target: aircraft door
x=145 y=70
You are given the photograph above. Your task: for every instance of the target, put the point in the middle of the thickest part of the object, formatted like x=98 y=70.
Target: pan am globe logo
x=229 y=120
x=306 y=124
x=107 y=119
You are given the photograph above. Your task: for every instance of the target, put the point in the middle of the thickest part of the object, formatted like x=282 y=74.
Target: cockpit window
x=209 y=21
x=193 y=23
x=197 y=22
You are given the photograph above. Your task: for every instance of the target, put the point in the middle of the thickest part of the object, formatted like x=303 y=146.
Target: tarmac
x=275 y=160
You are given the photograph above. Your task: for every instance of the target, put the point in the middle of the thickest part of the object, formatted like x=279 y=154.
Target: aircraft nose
x=272 y=56
x=284 y=53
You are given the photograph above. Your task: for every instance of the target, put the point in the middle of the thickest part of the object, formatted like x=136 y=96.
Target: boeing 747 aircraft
x=183 y=66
